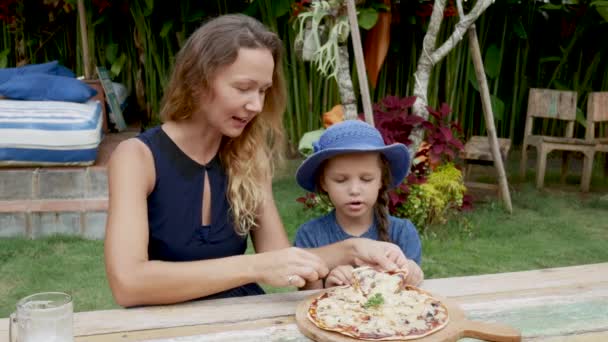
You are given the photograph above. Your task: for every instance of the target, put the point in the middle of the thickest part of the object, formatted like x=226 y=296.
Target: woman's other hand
x=415 y=276
x=341 y=275
x=289 y=267
x=379 y=254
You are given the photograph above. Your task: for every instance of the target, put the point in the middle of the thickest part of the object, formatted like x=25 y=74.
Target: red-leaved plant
x=440 y=135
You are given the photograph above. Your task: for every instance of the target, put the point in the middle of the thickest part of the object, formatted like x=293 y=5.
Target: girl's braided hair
x=381 y=207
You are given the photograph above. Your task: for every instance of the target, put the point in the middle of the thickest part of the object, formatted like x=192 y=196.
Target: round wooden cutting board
x=458 y=327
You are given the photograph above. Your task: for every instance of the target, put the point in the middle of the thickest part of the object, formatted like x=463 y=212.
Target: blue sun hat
x=352 y=136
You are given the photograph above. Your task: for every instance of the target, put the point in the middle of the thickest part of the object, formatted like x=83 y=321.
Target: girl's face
x=238 y=92
x=352 y=182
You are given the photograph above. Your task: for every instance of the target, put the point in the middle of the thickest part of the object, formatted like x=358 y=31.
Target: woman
x=184 y=196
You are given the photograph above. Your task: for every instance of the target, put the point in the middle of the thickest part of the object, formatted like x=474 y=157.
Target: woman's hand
x=289 y=267
x=341 y=275
x=379 y=254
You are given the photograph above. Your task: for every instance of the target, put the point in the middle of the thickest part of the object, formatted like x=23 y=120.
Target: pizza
x=378 y=306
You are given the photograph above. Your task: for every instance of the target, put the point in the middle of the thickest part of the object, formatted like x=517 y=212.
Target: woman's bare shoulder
x=131 y=151
x=132 y=158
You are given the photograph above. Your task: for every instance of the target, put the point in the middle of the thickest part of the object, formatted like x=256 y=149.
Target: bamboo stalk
x=523 y=88
x=361 y=75
x=326 y=96
x=514 y=102
x=489 y=118
x=502 y=52
x=85 y=40
x=294 y=105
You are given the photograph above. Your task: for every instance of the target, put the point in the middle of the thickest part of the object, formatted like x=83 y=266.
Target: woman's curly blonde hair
x=249 y=158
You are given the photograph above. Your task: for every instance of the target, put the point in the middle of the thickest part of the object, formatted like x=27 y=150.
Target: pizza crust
x=407 y=312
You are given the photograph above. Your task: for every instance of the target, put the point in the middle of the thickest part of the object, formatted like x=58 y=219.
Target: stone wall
x=36 y=202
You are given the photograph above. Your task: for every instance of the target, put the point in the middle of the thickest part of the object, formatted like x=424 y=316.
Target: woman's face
x=238 y=91
x=352 y=182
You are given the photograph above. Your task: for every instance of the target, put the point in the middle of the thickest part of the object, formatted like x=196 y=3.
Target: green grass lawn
x=554 y=227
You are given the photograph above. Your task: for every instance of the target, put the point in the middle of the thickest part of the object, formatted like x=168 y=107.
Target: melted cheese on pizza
x=368 y=280
x=404 y=311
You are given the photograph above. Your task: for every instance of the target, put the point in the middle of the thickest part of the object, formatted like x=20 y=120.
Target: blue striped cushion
x=49 y=132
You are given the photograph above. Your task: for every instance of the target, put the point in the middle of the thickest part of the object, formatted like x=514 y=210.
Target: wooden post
x=359 y=61
x=489 y=117
x=85 y=40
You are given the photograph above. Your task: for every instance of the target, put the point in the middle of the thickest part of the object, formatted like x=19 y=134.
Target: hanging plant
x=321 y=31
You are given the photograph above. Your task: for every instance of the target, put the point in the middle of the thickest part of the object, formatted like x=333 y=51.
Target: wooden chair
x=556 y=105
x=597 y=113
x=477 y=152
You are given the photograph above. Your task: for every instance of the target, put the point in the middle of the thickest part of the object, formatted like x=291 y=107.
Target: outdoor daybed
x=49 y=132
x=48 y=117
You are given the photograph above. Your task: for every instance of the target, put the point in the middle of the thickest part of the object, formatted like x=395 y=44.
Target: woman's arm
x=384 y=255
x=135 y=280
x=362 y=251
x=271 y=236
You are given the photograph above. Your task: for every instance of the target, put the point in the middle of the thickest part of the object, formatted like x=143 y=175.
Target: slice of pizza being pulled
x=369 y=281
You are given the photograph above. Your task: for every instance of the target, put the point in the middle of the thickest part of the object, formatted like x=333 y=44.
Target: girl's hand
x=341 y=275
x=379 y=254
x=289 y=267
x=415 y=276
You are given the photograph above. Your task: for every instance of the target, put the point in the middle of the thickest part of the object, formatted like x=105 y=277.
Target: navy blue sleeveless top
x=175 y=210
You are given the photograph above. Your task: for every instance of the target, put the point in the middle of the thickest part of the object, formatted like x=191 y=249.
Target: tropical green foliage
x=432 y=202
x=538 y=44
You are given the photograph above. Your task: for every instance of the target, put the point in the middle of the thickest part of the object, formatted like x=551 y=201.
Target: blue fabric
x=42 y=87
x=49 y=68
x=175 y=210
x=42 y=155
x=49 y=116
x=325 y=230
x=49 y=132
x=352 y=136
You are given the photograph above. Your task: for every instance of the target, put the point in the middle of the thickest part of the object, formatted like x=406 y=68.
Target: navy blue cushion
x=42 y=87
x=50 y=68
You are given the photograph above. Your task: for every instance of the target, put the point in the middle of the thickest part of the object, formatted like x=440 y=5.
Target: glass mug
x=43 y=317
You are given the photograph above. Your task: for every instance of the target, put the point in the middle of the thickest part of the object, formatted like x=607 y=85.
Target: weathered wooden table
x=557 y=304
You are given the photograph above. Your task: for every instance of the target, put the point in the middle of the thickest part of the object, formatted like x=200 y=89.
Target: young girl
x=354 y=168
